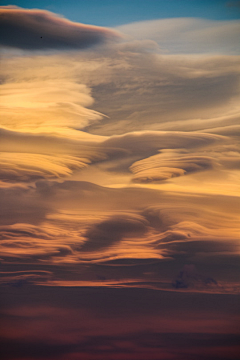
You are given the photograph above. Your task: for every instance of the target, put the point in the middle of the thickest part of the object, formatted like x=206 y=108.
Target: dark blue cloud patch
x=42 y=30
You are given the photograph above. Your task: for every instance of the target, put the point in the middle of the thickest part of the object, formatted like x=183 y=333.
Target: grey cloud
x=222 y=125
x=189 y=277
x=145 y=143
x=212 y=246
x=188 y=35
x=42 y=30
x=183 y=230
x=112 y=230
x=193 y=245
x=138 y=46
x=89 y=196
x=158 y=218
x=21 y=204
x=163 y=92
x=86 y=195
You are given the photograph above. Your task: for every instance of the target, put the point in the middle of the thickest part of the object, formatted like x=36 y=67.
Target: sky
x=120 y=180
x=118 y=12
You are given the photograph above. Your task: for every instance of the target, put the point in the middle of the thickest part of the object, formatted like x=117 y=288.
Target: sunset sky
x=120 y=180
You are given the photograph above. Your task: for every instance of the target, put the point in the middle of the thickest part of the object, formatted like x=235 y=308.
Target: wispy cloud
x=188 y=35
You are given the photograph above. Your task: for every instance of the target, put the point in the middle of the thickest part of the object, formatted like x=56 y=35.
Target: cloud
x=66 y=92
x=189 y=277
x=95 y=217
x=46 y=106
x=29 y=157
x=22 y=278
x=78 y=224
x=160 y=167
x=131 y=120
x=161 y=155
x=32 y=29
x=32 y=167
x=19 y=230
x=145 y=143
x=231 y=130
x=30 y=251
x=25 y=244
x=188 y=35
x=164 y=92
x=199 y=245
x=83 y=228
x=83 y=145
x=113 y=230
x=21 y=205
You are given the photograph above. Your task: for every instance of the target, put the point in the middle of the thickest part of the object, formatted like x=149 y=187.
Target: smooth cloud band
x=43 y=30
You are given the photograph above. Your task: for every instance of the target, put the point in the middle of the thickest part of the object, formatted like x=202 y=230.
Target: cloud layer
x=43 y=30
x=149 y=184
x=119 y=189
x=188 y=35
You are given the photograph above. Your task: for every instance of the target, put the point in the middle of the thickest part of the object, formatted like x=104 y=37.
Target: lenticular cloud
x=43 y=30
